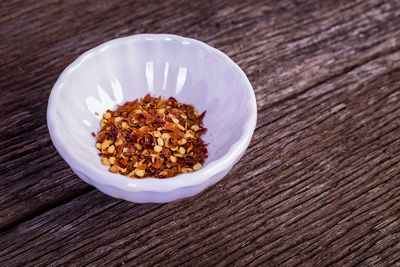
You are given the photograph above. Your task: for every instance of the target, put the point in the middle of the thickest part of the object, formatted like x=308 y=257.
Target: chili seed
x=197 y=166
x=186 y=170
x=139 y=173
x=113 y=169
x=165 y=136
x=105 y=161
x=182 y=142
x=124 y=125
x=112 y=160
x=195 y=128
x=180 y=127
x=104 y=145
x=107 y=115
x=138 y=146
x=157 y=148
x=111 y=149
x=160 y=141
x=173 y=159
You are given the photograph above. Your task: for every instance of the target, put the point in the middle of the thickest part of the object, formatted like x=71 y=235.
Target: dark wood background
x=319 y=184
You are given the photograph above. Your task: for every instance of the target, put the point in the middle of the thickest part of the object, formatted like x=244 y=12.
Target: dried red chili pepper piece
x=152 y=137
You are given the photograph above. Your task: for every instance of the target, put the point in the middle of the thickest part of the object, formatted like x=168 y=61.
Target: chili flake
x=152 y=137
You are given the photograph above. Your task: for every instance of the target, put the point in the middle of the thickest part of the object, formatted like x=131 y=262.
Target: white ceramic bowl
x=160 y=64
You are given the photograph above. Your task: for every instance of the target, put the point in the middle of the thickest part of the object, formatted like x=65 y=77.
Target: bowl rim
x=224 y=163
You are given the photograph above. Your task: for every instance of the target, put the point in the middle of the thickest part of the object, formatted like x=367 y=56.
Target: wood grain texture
x=318 y=185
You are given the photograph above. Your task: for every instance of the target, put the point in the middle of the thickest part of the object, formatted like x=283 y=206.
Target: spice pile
x=152 y=137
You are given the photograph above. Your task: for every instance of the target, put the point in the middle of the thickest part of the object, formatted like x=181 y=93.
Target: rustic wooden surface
x=319 y=184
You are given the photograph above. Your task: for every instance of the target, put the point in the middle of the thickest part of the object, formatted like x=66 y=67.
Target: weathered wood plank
x=319 y=184
x=273 y=72
x=357 y=194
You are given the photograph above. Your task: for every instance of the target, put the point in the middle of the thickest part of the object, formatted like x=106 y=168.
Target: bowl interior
x=128 y=68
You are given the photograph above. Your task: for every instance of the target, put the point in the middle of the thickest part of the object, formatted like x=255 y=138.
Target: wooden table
x=318 y=185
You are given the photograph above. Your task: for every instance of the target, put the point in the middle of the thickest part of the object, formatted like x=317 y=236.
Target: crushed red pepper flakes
x=152 y=137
